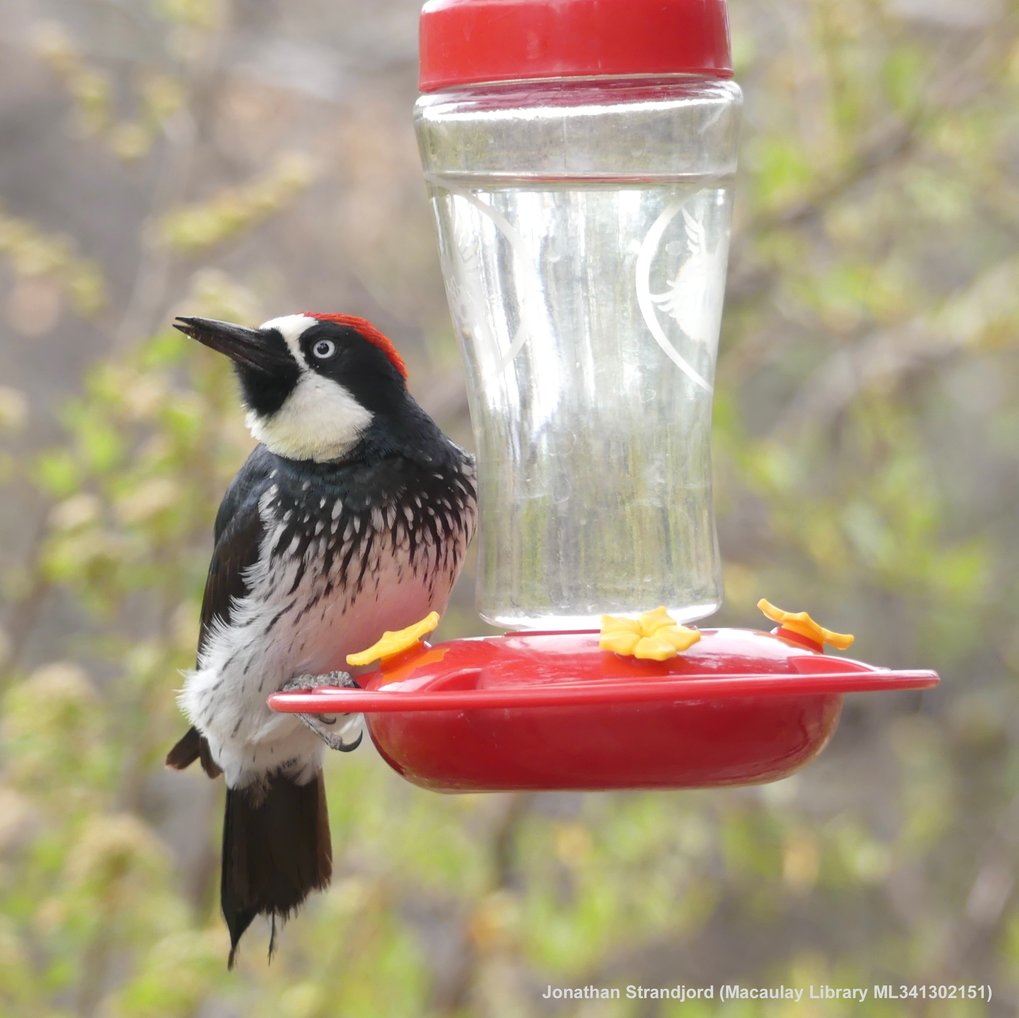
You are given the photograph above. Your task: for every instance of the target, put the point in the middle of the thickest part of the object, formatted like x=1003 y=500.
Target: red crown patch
x=368 y=333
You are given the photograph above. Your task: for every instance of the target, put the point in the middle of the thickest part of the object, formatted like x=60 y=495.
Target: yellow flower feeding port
x=653 y=636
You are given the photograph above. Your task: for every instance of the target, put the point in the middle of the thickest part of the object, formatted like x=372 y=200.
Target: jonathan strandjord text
x=728 y=991
x=737 y=991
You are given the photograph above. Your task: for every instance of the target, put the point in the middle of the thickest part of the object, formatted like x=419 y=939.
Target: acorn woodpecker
x=350 y=517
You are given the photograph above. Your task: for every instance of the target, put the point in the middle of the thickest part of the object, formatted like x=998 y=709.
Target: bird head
x=313 y=384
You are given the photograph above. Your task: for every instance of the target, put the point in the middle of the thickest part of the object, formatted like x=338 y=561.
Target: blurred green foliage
x=866 y=443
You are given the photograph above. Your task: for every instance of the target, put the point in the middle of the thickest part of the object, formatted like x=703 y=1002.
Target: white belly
x=275 y=636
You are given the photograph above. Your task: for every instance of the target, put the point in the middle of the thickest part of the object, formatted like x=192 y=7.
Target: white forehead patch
x=291 y=328
x=320 y=420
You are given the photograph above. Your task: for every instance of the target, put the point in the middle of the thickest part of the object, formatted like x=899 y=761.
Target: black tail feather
x=190 y=748
x=276 y=849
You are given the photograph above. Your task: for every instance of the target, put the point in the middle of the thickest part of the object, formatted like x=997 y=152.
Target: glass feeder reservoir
x=579 y=156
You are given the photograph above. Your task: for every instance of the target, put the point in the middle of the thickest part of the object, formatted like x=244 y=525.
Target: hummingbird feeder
x=579 y=157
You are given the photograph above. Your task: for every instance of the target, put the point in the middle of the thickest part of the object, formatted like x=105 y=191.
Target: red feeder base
x=540 y=711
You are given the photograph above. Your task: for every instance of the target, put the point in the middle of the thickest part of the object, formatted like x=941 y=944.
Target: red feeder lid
x=467 y=42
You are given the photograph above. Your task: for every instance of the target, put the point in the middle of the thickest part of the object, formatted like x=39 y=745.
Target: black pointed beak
x=248 y=348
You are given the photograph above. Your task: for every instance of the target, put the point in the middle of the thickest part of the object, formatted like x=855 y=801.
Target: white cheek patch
x=320 y=420
x=291 y=328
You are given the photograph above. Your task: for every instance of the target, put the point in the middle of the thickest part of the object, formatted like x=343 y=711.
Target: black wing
x=238 y=536
x=238 y=533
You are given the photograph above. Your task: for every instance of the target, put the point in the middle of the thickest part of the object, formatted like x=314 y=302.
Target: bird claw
x=321 y=724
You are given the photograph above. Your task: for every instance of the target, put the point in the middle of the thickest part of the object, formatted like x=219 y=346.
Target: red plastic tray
x=554 y=711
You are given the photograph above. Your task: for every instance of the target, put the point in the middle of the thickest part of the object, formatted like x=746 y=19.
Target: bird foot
x=324 y=725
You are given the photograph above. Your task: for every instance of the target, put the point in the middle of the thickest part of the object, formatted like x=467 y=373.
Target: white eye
x=324 y=349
